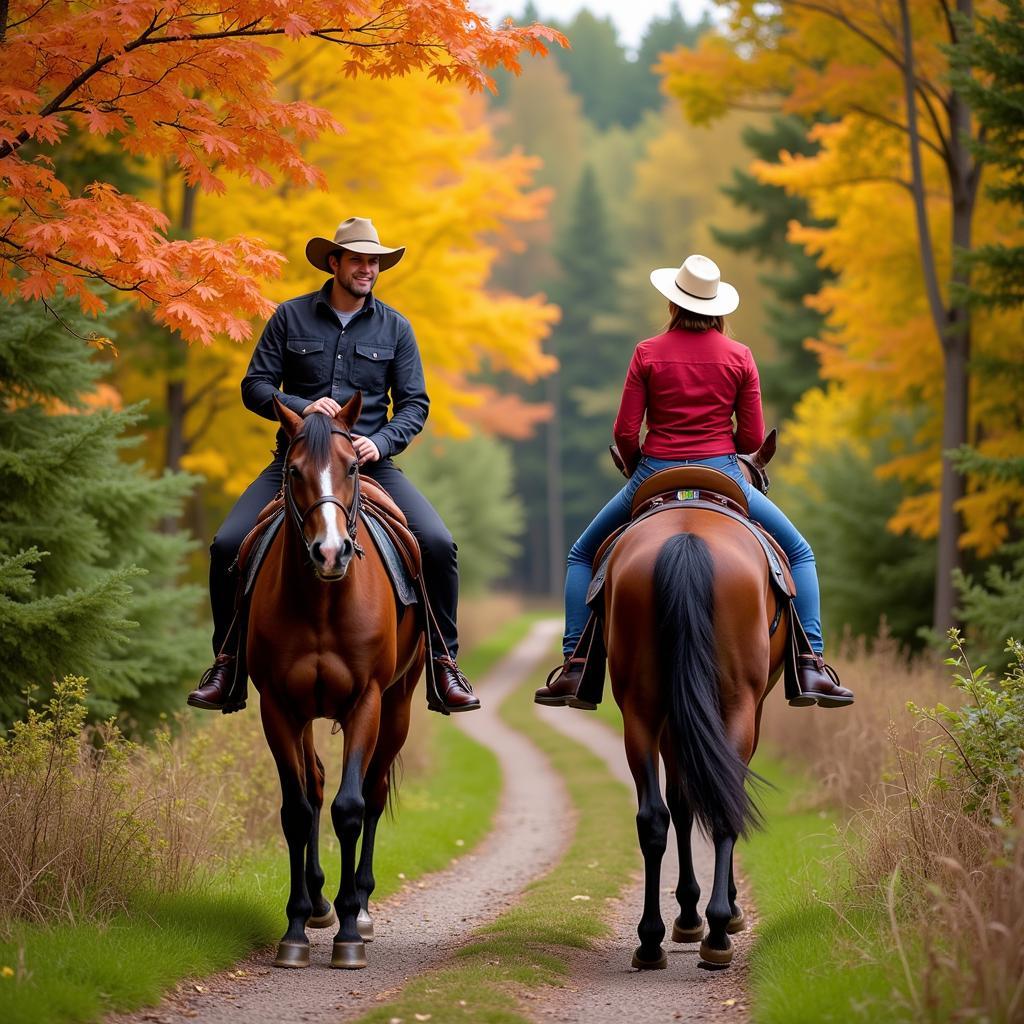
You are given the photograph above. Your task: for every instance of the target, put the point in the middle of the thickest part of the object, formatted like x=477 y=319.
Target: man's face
x=355 y=272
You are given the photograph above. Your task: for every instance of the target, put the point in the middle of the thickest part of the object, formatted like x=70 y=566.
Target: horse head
x=321 y=485
x=753 y=465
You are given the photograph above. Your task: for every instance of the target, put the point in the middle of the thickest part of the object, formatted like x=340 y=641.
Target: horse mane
x=316 y=432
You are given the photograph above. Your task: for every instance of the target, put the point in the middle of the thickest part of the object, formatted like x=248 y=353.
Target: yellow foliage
x=881 y=350
x=417 y=157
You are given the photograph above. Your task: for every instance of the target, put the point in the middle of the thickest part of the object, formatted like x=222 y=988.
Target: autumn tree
x=880 y=70
x=192 y=83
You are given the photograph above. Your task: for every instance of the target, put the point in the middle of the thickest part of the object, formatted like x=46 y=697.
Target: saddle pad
x=779 y=572
x=401 y=580
x=254 y=558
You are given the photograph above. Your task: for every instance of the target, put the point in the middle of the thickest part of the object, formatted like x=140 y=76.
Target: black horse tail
x=712 y=773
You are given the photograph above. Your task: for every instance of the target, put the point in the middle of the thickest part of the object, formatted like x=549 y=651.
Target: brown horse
x=688 y=605
x=326 y=640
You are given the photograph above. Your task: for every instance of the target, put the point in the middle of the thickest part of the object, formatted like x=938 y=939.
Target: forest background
x=773 y=138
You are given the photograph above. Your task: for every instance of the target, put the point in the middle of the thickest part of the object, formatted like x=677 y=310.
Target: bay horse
x=688 y=605
x=326 y=640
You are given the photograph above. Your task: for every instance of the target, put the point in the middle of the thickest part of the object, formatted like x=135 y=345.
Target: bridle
x=351 y=513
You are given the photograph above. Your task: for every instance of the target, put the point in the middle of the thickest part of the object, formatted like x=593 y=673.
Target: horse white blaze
x=331 y=542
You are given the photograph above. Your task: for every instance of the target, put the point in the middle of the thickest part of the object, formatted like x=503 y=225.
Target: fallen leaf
x=580 y=897
x=423 y=1016
x=7 y=972
x=460 y=842
x=729 y=1002
x=199 y=988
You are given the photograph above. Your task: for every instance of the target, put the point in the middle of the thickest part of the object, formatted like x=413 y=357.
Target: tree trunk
x=952 y=323
x=556 y=519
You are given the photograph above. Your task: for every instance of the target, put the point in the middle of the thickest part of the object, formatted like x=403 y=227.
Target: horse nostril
x=346 y=548
x=316 y=553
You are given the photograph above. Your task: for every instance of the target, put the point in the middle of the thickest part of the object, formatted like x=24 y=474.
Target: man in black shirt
x=314 y=353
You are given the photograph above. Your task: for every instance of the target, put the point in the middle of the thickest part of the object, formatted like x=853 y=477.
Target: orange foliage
x=190 y=83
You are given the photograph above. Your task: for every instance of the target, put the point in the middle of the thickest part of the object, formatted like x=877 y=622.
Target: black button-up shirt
x=304 y=354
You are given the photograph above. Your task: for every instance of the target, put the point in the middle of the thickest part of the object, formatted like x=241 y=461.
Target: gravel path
x=602 y=988
x=423 y=924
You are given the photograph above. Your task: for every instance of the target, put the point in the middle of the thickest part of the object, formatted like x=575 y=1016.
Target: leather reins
x=351 y=513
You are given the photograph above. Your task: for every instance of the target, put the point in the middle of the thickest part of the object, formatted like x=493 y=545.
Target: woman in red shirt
x=689 y=383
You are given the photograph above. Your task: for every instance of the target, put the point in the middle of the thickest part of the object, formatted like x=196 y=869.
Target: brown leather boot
x=214 y=689
x=819 y=684
x=453 y=692
x=561 y=686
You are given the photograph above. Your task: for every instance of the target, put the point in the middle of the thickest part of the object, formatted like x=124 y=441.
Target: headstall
x=351 y=513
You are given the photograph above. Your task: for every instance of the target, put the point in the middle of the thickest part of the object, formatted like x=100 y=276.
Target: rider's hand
x=366 y=450
x=327 y=405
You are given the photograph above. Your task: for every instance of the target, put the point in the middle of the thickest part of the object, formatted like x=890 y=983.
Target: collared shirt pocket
x=304 y=360
x=371 y=364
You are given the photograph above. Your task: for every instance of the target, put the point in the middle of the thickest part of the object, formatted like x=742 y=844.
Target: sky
x=630 y=16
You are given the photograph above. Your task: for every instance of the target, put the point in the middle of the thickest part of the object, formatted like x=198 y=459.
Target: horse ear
x=766 y=452
x=349 y=412
x=291 y=422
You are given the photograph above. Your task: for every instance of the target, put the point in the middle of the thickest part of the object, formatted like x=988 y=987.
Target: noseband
x=351 y=513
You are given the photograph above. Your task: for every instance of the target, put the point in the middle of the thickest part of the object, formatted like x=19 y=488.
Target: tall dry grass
x=847 y=751
x=932 y=842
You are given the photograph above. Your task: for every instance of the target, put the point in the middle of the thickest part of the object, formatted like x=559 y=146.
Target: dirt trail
x=602 y=988
x=423 y=924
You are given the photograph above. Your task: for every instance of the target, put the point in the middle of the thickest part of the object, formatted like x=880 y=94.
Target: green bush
x=984 y=739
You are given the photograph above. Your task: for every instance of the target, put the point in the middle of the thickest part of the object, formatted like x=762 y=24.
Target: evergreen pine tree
x=88 y=586
x=592 y=354
x=788 y=320
x=988 y=71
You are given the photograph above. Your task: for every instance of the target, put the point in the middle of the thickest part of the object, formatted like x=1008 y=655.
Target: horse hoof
x=737 y=923
x=292 y=954
x=364 y=925
x=349 y=956
x=718 y=957
x=323 y=920
x=694 y=934
x=640 y=964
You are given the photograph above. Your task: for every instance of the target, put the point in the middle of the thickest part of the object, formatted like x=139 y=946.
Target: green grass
x=80 y=972
x=526 y=947
x=804 y=965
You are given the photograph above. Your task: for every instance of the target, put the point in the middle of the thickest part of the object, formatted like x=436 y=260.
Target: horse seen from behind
x=696 y=636
x=326 y=639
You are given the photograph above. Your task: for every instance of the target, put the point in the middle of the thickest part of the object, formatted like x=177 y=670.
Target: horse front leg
x=347 y=812
x=323 y=915
x=717 y=946
x=652 y=830
x=285 y=741
x=396 y=710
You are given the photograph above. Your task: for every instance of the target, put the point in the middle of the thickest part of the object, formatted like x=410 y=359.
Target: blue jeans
x=616 y=514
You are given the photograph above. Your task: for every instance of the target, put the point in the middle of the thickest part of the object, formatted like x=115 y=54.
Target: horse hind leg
x=689 y=925
x=716 y=949
x=652 y=830
x=323 y=915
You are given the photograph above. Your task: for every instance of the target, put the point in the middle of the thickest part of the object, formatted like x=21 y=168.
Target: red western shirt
x=690 y=384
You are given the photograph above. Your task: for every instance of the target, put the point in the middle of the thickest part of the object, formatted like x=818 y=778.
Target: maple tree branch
x=90 y=273
x=864 y=179
x=5 y=8
x=209 y=415
x=867 y=37
x=200 y=393
x=872 y=115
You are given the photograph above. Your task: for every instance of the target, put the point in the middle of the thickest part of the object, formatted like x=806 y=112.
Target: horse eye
x=352 y=469
x=293 y=470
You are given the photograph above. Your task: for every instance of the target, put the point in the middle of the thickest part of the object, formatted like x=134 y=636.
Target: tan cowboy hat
x=697 y=286
x=357 y=234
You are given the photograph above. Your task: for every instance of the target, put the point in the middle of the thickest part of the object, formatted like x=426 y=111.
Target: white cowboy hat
x=357 y=234
x=697 y=286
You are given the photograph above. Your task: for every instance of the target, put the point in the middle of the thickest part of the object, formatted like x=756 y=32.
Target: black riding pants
x=440 y=561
